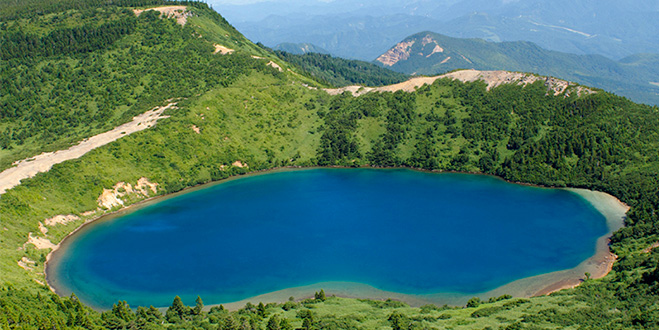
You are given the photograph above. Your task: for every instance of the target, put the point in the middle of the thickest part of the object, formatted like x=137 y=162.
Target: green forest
x=338 y=72
x=73 y=74
x=237 y=107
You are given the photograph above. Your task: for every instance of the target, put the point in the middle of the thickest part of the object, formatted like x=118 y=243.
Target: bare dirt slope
x=28 y=168
x=178 y=12
x=491 y=78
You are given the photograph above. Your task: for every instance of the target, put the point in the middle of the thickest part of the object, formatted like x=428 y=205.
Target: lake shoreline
x=603 y=263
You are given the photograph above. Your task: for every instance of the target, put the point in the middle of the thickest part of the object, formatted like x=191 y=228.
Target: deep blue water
x=397 y=230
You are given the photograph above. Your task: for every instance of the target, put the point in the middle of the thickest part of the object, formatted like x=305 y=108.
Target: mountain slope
x=69 y=75
x=341 y=72
x=346 y=36
x=431 y=53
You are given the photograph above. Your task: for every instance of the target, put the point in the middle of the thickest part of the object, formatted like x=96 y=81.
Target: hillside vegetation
x=71 y=74
x=246 y=115
x=428 y=53
x=341 y=72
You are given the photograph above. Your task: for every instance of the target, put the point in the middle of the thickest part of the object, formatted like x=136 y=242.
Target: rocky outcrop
x=114 y=197
x=219 y=49
x=60 y=220
x=239 y=164
x=39 y=242
x=400 y=52
x=403 y=50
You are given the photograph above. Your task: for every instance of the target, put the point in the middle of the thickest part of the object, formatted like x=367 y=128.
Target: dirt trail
x=491 y=78
x=28 y=168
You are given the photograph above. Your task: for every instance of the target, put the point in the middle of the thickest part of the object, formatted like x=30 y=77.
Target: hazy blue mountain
x=430 y=53
x=353 y=37
x=300 y=49
x=614 y=29
x=256 y=11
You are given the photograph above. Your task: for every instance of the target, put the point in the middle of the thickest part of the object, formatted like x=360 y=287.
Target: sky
x=246 y=2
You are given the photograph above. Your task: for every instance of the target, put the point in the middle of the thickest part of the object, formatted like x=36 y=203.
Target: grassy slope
x=80 y=95
x=362 y=314
x=257 y=120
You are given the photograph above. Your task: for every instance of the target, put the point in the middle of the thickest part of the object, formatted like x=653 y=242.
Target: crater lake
x=395 y=230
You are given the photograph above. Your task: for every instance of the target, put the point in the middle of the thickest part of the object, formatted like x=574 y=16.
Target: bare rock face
x=426 y=47
x=429 y=40
x=111 y=198
x=400 y=52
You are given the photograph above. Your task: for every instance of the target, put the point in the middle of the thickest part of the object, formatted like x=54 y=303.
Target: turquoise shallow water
x=397 y=230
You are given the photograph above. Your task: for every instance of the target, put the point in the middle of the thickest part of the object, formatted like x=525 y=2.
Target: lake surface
x=396 y=230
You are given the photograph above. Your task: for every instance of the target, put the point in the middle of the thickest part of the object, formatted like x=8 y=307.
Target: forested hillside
x=67 y=75
x=237 y=113
x=341 y=72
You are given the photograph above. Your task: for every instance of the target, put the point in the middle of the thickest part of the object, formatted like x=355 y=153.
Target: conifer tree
x=274 y=323
x=229 y=323
x=261 y=309
x=306 y=324
x=198 y=306
x=177 y=311
x=320 y=295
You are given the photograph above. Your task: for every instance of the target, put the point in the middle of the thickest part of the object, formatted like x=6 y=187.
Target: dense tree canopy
x=341 y=72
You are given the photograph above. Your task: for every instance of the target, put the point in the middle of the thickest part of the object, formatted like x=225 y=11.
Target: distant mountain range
x=364 y=29
x=427 y=53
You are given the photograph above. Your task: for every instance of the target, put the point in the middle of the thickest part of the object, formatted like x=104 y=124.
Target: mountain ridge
x=429 y=53
x=609 y=28
x=492 y=79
